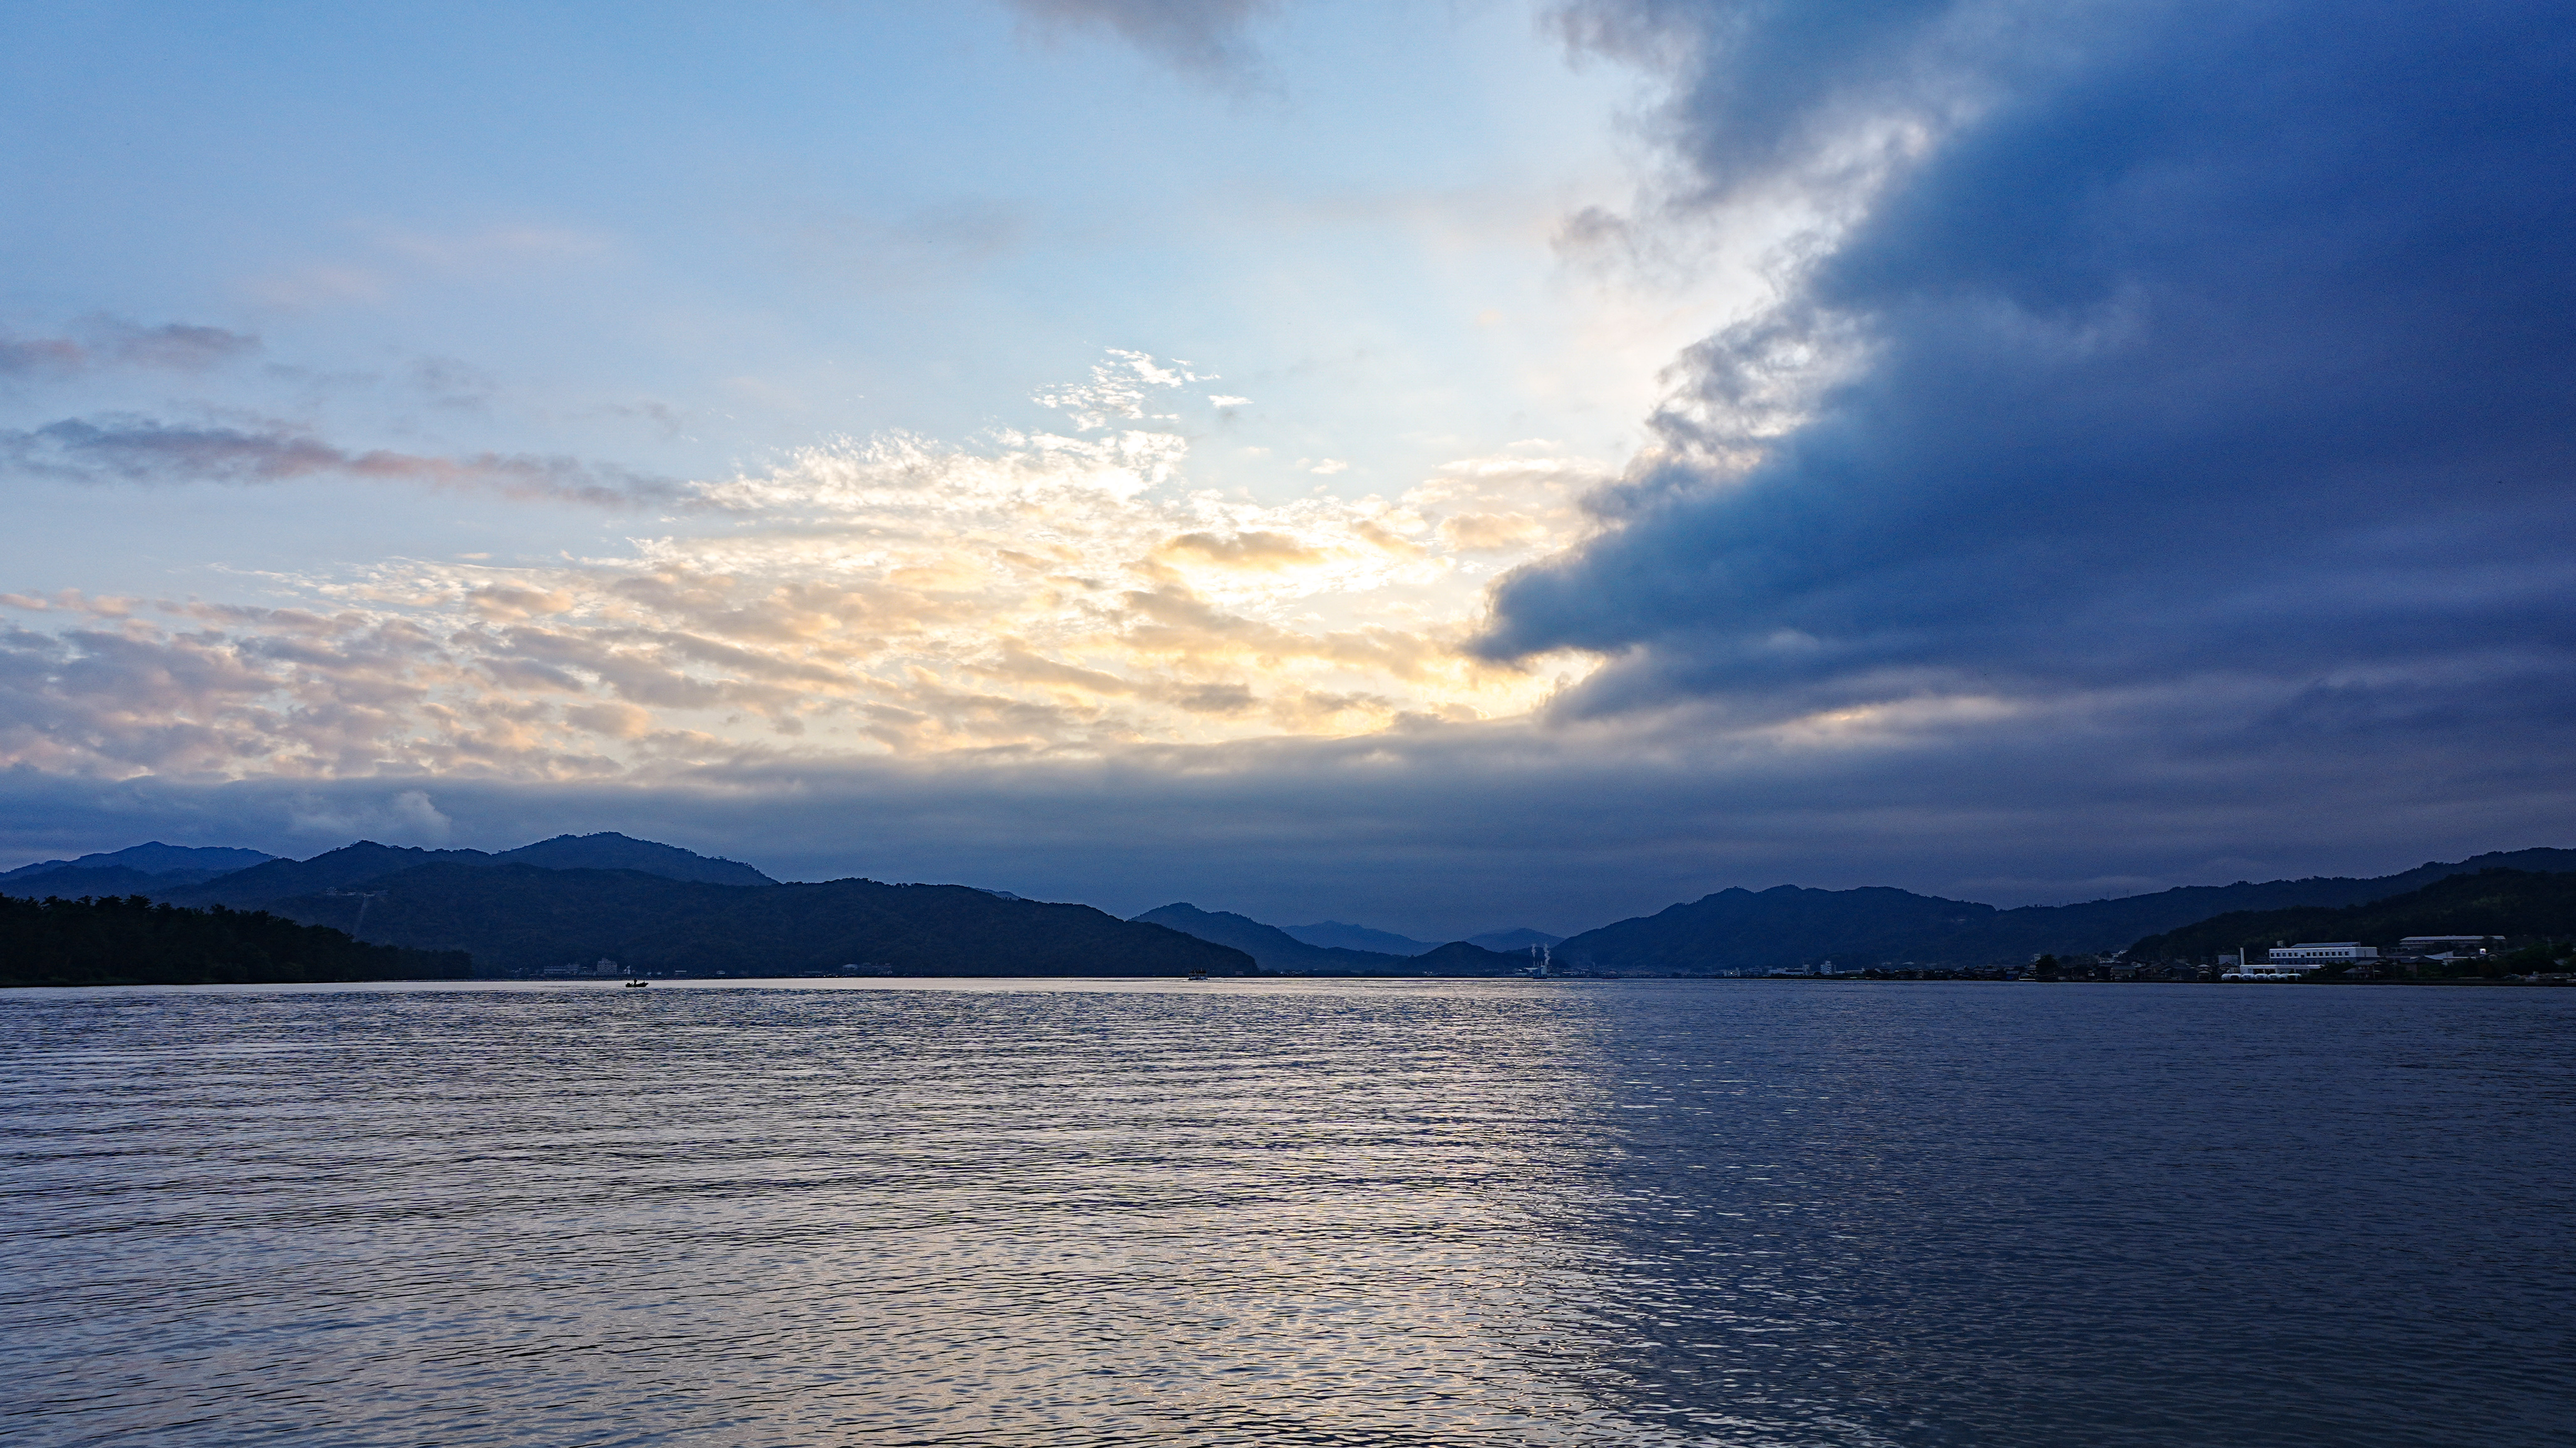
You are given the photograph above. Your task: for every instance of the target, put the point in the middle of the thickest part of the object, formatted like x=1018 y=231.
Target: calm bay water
x=1309 y=1212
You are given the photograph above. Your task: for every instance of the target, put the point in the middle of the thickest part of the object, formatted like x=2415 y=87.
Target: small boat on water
x=1198 y=975
x=637 y=984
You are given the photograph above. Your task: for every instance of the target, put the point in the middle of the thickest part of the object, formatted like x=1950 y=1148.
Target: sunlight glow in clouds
x=1047 y=591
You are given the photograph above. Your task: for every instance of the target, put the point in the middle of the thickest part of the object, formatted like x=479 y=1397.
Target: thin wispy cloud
x=1211 y=38
x=110 y=342
x=128 y=449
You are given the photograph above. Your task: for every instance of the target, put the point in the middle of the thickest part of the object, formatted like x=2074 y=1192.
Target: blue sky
x=690 y=242
x=1446 y=465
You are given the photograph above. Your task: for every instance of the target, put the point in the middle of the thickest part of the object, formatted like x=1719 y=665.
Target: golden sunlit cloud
x=1043 y=592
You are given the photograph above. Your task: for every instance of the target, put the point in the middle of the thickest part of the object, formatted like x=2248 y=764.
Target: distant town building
x=2293 y=962
x=2446 y=946
x=2314 y=954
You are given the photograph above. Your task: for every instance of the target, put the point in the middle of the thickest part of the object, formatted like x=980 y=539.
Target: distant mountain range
x=1335 y=934
x=518 y=917
x=647 y=904
x=137 y=869
x=1745 y=930
x=250 y=879
x=654 y=906
x=1748 y=931
x=1278 y=949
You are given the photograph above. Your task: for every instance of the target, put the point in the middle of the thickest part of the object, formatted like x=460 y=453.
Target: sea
x=1384 y=1212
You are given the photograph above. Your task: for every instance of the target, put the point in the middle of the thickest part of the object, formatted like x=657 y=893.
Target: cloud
x=1120 y=389
x=124 y=448
x=1449 y=828
x=1254 y=549
x=32 y=356
x=173 y=346
x=409 y=817
x=451 y=383
x=2177 y=359
x=1207 y=37
x=1037 y=593
x=113 y=342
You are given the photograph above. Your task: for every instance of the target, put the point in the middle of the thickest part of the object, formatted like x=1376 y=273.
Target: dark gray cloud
x=1763 y=87
x=123 y=448
x=1206 y=36
x=2207 y=351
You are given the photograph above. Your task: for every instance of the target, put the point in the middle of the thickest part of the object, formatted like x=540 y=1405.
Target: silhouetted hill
x=2518 y=903
x=135 y=942
x=517 y=916
x=155 y=869
x=202 y=862
x=1744 y=930
x=1276 y=949
x=1273 y=947
x=1462 y=957
x=77 y=882
x=1520 y=939
x=1739 y=929
x=335 y=870
x=1337 y=935
x=612 y=851
x=366 y=861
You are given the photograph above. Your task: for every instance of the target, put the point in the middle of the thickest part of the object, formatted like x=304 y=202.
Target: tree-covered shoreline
x=130 y=940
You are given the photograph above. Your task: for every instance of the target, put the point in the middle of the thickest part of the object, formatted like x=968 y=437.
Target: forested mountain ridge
x=2518 y=904
x=1787 y=925
x=516 y=917
x=367 y=861
x=155 y=858
x=1272 y=947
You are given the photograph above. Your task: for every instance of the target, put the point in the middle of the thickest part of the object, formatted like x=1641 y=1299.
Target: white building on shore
x=2293 y=962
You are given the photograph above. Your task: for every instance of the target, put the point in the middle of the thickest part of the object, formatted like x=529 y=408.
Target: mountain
x=127 y=942
x=75 y=882
x=1336 y=935
x=1276 y=949
x=136 y=867
x=338 y=869
x=612 y=851
x=1740 y=929
x=1520 y=939
x=1464 y=957
x=515 y=916
x=367 y=861
x=2512 y=903
x=1273 y=947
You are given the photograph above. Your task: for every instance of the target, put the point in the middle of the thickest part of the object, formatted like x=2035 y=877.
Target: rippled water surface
x=1310 y=1212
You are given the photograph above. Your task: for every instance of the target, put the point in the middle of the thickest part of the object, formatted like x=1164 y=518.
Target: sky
x=1442 y=464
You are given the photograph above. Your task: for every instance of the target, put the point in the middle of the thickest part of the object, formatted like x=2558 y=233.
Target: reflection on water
x=1312 y=1212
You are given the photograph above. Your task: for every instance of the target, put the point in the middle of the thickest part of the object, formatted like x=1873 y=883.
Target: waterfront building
x=2447 y=947
x=2294 y=962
